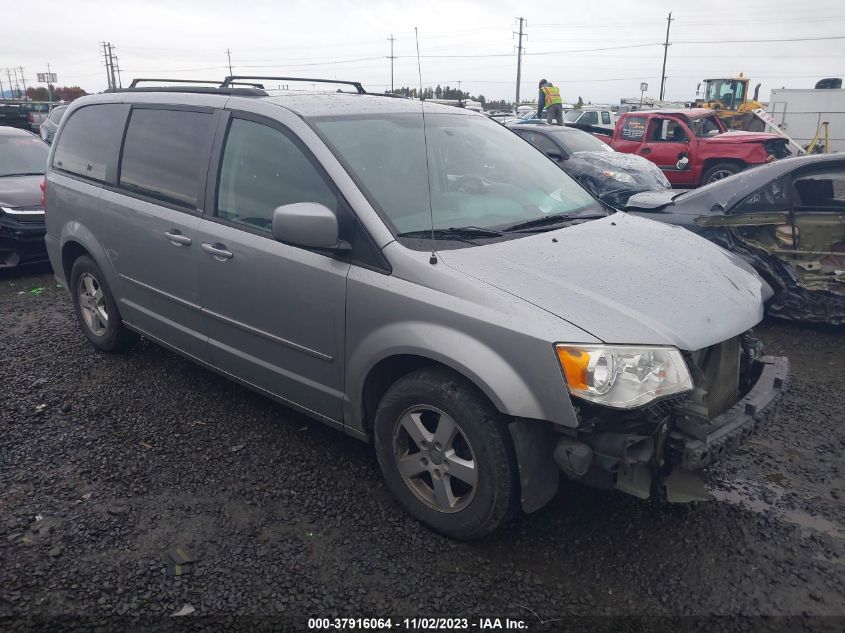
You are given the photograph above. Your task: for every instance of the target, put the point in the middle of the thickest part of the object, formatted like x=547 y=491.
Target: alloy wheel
x=92 y=303
x=435 y=459
x=719 y=175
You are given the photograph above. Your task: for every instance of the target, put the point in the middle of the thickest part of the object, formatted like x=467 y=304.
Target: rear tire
x=720 y=171
x=458 y=467
x=95 y=308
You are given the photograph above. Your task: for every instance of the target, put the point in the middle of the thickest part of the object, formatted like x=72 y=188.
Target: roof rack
x=214 y=82
x=251 y=89
x=230 y=81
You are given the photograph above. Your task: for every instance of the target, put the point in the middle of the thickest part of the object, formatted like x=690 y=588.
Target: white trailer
x=800 y=112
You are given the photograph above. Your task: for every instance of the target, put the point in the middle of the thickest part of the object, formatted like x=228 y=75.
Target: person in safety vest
x=549 y=99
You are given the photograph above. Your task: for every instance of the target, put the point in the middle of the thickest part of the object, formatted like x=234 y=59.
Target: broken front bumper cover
x=671 y=441
x=735 y=425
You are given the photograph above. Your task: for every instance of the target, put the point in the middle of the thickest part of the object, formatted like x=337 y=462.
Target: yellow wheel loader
x=729 y=98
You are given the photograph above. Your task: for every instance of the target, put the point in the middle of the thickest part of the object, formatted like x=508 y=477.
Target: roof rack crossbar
x=231 y=80
x=139 y=80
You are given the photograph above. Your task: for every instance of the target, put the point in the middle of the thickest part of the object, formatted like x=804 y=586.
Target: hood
x=626 y=280
x=737 y=136
x=20 y=191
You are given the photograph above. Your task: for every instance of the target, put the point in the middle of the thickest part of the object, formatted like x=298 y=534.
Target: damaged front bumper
x=654 y=452
x=693 y=450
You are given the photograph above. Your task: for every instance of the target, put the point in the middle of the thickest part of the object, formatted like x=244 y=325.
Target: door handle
x=219 y=251
x=645 y=150
x=177 y=239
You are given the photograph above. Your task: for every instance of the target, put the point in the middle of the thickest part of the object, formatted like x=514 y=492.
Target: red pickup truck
x=692 y=147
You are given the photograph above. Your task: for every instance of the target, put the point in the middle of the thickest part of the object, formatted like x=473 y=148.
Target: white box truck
x=800 y=112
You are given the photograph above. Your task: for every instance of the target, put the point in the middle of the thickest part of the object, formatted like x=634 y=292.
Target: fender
x=488 y=370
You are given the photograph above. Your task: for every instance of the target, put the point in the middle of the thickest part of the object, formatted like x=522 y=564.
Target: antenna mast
x=433 y=258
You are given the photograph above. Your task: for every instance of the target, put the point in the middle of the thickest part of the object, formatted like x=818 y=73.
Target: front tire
x=446 y=454
x=95 y=307
x=720 y=171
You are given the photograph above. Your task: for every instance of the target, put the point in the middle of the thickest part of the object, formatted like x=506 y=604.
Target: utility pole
x=23 y=81
x=665 y=51
x=519 y=61
x=11 y=85
x=111 y=65
x=391 y=57
x=117 y=68
x=106 y=60
x=17 y=85
x=229 y=56
x=2 y=92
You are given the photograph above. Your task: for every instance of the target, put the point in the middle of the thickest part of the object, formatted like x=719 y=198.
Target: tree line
x=448 y=92
x=60 y=93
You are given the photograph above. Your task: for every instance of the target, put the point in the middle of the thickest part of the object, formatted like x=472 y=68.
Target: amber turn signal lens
x=574 y=363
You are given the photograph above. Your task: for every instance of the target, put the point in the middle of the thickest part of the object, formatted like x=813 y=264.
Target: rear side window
x=165 y=155
x=57 y=114
x=605 y=118
x=633 y=128
x=88 y=139
x=263 y=169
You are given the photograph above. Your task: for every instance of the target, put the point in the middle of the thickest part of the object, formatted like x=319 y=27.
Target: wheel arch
x=387 y=352
x=76 y=240
x=389 y=369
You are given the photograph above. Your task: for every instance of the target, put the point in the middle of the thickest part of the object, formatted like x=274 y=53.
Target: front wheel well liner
x=386 y=372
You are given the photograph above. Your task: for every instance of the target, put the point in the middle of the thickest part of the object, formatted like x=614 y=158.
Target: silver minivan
x=433 y=285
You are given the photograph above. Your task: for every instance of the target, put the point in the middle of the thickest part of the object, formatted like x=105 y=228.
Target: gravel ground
x=108 y=463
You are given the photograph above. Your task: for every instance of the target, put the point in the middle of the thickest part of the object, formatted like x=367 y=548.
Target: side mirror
x=307 y=224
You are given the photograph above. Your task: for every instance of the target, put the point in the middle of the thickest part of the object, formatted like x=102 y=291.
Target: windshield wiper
x=549 y=221
x=445 y=234
x=27 y=173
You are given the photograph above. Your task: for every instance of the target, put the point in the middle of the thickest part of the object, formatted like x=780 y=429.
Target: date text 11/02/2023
x=416 y=624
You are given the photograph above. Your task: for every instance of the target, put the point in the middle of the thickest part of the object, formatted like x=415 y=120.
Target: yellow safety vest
x=552 y=95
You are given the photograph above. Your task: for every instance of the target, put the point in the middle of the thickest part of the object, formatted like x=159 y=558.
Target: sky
x=600 y=51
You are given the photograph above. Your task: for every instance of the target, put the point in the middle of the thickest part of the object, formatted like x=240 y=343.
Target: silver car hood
x=626 y=280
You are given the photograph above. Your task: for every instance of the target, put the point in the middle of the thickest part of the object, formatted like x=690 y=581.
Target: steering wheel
x=469 y=184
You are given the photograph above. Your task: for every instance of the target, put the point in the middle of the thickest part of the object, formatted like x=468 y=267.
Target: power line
x=784 y=39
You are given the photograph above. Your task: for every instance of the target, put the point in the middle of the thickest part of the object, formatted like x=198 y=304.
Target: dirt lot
x=109 y=462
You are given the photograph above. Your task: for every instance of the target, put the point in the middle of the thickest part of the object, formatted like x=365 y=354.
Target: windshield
x=572 y=116
x=21 y=155
x=482 y=174
x=531 y=114
x=728 y=92
x=705 y=126
x=578 y=141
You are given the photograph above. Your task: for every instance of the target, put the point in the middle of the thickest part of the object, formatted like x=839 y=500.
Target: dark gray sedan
x=48 y=127
x=23 y=158
x=787 y=219
x=610 y=176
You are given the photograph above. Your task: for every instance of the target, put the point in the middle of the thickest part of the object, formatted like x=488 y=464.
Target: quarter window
x=164 y=154
x=89 y=138
x=263 y=169
x=633 y=128
x=605 y=117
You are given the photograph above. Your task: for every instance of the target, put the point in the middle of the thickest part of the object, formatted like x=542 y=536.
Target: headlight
x=618 y=175
x=623 y=376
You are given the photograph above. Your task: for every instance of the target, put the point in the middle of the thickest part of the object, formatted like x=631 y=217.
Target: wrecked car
x=432 y=286
x=786 y=219
x=610 y=176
